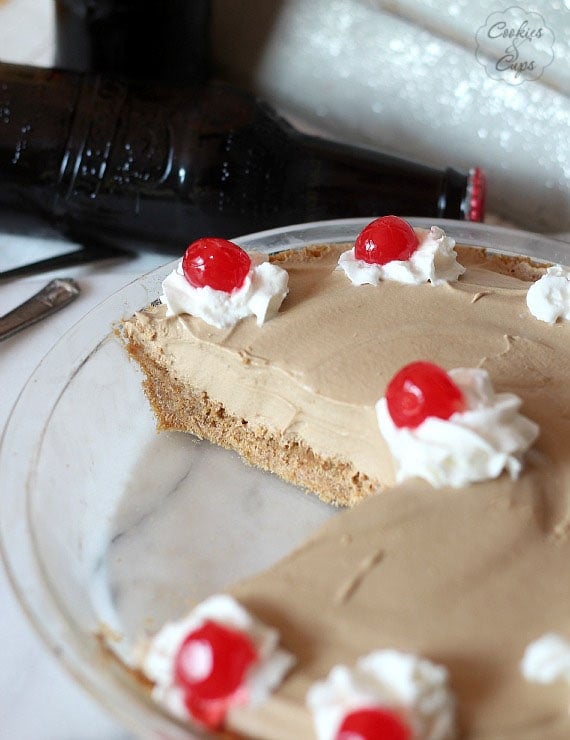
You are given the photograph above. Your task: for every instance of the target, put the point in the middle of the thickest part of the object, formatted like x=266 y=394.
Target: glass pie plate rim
x=101 y=675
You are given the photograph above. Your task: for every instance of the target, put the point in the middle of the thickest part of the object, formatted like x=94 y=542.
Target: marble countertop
x=38 y=700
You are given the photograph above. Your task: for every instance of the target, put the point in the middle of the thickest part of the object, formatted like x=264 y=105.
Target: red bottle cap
x=475 y=195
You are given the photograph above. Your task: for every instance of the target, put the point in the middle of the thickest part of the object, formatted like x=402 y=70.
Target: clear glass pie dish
x=108 y=529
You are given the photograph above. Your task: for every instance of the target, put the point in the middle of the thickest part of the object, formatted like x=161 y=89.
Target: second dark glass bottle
x=164 y=40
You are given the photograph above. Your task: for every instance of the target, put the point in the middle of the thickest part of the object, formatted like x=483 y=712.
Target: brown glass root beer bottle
x=146 y=165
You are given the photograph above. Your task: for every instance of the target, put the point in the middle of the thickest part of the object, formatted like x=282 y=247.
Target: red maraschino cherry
x=217 y=263
x=386 y=239
x=210 y=667
x=373 y=724
x=419 y=390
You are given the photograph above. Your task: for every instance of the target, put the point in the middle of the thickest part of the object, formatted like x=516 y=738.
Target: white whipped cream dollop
x=548 y=299
x=413 y=688
x=159 y=656
x=547 y=659
x=434 y=261
x=261 y=295
x=472 y=445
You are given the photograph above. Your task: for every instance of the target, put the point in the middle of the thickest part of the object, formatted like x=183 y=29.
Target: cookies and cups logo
x=515 y=45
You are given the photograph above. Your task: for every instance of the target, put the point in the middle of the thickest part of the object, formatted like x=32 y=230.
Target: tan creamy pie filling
x=466 y=578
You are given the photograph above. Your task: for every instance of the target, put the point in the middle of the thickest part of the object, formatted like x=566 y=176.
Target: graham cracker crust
x=179 y=408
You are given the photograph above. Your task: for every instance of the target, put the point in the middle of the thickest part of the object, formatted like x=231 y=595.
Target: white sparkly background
x=403 y=76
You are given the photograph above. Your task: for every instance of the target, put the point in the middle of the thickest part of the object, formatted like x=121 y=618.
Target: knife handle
x=55 y=295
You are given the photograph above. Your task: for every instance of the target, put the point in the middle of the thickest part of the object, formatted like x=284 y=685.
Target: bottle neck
x=364 y=182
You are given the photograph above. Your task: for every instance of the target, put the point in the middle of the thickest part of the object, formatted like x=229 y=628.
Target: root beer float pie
x=463 y=569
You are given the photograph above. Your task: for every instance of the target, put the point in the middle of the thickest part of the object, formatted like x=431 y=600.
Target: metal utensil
x=55 y=295
x=82 y=256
